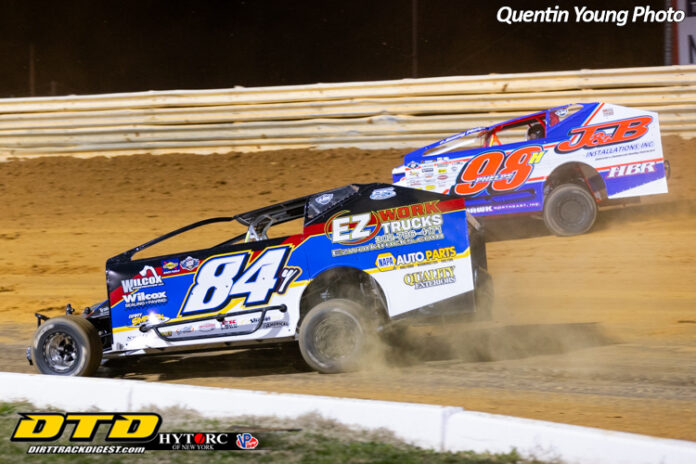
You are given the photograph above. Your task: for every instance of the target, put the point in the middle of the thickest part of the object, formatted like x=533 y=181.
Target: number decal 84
x=223 y=278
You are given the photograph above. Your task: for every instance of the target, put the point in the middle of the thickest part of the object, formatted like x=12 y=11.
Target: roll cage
x=258 y=221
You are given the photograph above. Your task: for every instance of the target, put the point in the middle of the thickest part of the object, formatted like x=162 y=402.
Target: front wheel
x=335 y=336
x=67 y=345
x=569 y=210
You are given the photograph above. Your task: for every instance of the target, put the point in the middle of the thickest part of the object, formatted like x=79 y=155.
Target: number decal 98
x=485 y=170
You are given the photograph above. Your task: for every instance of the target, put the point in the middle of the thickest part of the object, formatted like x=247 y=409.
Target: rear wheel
x=67 y=345
x=569 y=210
x=335 y=336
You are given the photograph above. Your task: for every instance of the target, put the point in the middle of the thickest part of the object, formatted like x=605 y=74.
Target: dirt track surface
x=596 y=330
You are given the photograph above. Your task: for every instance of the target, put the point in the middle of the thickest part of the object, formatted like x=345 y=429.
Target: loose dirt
x=595 y=330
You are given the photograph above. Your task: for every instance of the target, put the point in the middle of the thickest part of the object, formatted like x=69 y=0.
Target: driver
x=535 y=131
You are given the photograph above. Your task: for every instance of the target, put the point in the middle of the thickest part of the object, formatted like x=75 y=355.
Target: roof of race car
x=313 y=207
x=423 y=152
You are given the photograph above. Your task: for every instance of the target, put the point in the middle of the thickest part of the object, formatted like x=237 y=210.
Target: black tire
x=335 y=336
x=484 y=294
x=67 y=345
x=569 y=210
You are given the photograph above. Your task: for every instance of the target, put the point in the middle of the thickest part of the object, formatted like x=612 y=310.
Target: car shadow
x=228 y=363
x=521 y=227
x=611 y=217
x=412 y=347
x=479 y=345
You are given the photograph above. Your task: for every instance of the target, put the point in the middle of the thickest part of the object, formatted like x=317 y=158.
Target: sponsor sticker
x=382 y=193
x=184 y=330
x=631 y=169
x=140 y=299
x=390 y=227
x=385 y=262
x=170 y=266
x=190 y=263
x=324 y=199
x=149 y=319
x=431 y=278
x=146 y=278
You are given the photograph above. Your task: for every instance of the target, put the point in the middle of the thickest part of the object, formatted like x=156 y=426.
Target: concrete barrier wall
x=440 y=428
x=380 y=114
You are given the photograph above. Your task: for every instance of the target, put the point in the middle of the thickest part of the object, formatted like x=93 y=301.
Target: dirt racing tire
x=67 y=345
x=569 y=210
x=335 y=336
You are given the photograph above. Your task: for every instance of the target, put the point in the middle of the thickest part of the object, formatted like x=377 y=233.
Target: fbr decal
x=631 y=169
x=494 y=169
x=222 y=278
x=606 y=133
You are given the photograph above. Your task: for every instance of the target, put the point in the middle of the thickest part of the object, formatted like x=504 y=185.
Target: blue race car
x=366 y=257
x=559 y=163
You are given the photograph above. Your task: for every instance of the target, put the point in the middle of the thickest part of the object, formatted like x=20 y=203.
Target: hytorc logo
x=606 y=133
x=122 y=426
x=353 y=229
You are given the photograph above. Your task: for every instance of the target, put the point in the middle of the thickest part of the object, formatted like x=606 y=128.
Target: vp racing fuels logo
x=221 y=279
x=246 y=441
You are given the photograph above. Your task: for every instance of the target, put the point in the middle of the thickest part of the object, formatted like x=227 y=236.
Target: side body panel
x=413 y=243
x=419 y=253
x=622 y=144
x=192 y=292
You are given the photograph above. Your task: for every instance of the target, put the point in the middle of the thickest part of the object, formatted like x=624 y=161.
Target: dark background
x=102 y=46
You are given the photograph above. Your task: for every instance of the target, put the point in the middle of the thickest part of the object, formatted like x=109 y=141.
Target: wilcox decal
x=148 y=278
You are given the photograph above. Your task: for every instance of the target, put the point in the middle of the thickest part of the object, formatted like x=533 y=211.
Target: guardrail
x=382 y=114
x=442 y=428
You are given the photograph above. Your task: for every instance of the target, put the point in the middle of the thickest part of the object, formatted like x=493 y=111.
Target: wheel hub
x=336 y=336
x=60 y=352
x=570 y=211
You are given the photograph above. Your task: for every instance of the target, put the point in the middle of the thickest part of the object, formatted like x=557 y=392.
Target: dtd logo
x=50 y=426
